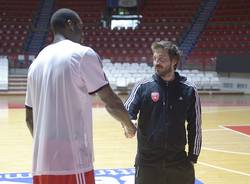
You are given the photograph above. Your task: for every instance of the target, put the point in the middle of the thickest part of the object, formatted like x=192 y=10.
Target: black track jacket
x=164 y=108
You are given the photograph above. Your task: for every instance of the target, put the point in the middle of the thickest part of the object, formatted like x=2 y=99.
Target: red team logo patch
x=155 y=96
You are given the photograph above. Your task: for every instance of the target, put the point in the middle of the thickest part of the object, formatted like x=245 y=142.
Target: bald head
x=67 y=23
x=61 y=16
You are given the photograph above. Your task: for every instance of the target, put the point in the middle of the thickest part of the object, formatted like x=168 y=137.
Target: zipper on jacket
x=166 y=100
x=165 y=114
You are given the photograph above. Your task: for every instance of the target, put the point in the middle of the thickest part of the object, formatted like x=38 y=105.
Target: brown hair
x=172 y=49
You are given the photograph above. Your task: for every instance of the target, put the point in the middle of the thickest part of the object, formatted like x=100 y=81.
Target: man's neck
x=169 y=77
x=58 y=38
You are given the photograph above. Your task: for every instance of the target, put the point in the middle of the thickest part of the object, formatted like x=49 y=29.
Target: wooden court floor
x=225 y=156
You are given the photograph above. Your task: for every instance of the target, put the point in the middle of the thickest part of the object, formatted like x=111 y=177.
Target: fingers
x=129 y=132
x=135 y=123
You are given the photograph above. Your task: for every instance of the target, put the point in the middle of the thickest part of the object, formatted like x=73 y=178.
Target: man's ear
x=176 y=63
x=70 y=25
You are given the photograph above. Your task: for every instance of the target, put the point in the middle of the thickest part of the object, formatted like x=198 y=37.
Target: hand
x=129 y=131
x=135 y=122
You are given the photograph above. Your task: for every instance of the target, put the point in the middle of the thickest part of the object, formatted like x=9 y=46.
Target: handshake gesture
x=129 y=130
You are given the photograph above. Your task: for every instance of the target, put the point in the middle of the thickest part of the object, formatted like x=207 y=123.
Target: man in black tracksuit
x=165 y=103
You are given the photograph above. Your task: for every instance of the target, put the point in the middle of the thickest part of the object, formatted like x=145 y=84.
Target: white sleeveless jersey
x=60 y=81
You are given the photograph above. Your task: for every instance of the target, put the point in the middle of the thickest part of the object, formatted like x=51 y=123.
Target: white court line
x=213 y=130
x=225 y=151
x=224 y=169
x=238 y=125
x=222 y=126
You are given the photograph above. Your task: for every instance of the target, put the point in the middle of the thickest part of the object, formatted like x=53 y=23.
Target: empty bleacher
x=123 y=76
x=15 y=23
x=227 y=33
x=90 y=11
x=160 y=21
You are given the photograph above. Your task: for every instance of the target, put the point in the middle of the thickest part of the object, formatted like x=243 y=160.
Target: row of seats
x=15 y=23
x=90 y=11
x=133 y=45
x=125 y=75
x=100 y=38
x=135 y=36
x=227 y=33
x=20 y=60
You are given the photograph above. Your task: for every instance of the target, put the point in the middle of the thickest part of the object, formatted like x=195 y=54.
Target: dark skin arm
x=116 y=108
x=29 y=119
x=113 y=105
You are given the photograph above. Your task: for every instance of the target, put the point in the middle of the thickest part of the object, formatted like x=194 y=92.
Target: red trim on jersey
x=65 y=179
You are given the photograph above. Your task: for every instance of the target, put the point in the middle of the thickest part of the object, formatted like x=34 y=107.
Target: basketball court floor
x=224 y=159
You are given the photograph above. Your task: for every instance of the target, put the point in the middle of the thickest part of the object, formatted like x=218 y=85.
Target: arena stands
x=159 y=20
x=15 y=23
x=227 y=31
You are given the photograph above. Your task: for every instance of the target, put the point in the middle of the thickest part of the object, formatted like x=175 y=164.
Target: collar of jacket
x=176 y=80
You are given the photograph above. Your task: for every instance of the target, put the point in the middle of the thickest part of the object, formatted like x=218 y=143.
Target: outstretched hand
x=130 y=131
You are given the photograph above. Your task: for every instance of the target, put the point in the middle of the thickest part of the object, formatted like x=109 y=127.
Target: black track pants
x=179 y=173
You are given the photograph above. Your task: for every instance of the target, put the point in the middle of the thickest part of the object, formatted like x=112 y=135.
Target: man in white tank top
x=59 y=105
